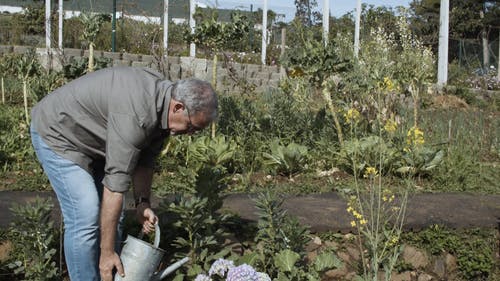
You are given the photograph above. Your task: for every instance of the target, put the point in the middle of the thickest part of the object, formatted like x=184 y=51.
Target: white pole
x=264 y=33
x=443 y=43
x=165 y=28
x=356 y=28
x=326 y=20
x=47 y=24
x=61 y=19
x=498 y=69
x=192 y=10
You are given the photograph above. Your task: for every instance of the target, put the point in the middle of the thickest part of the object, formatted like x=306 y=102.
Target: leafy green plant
x=286 y=160
x=34 y=238
x=78 y=67
x=198 y=232
x=280 y=244
x=313 y=58
x=92 y=23
x=368 y=151
x=473 y=248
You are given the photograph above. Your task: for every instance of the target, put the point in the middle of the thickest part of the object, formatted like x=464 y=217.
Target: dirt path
x=327 y=212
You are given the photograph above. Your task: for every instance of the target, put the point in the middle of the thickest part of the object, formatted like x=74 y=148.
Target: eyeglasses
x=191 y=129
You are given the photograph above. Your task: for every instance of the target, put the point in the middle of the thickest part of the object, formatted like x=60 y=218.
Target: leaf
x=438 y=158
x=326 y=260
x=178 y=277
x=194 y=270
x=249 y=259
x=404 y=170
x=285 y=260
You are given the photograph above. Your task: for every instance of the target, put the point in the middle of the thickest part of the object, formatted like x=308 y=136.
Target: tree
x=305 y=12
x=469 y=19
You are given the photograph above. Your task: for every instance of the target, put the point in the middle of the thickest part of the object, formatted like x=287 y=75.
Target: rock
x=335 y=274
x=404 y=276
x=331 y=245
x=450 y=262
x=5 y=250
x=354 y=253
x=415 y=257
x=350 y=276
x=425 y=277
x=311 y=256
x=344 y=256
x=439 y=267
x=313 y=245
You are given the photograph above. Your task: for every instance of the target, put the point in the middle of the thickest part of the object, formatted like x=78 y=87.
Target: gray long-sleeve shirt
x=116 y=115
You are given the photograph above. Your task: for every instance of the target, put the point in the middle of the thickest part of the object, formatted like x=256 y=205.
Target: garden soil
x=327 y=211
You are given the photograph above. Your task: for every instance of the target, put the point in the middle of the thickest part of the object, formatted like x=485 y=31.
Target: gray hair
x=198 y=96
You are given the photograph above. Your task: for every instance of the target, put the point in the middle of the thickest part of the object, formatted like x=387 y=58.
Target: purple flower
x=263 y=276
x=220 y=266
x=243 y=272
x=202 y=277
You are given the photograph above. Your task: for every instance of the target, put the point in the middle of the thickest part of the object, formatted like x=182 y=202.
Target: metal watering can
x=141 y=259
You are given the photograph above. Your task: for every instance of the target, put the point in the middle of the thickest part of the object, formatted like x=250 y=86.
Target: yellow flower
x=387 y=85
x=415 y=136
x=363 y=222
x=353 y=223
x=352 y=115
x=370 y=172
x=393 y=241
x=390 y=126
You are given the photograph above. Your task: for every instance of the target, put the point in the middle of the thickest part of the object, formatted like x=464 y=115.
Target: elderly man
x=98 y=134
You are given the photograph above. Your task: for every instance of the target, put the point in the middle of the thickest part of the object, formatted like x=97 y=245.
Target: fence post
x=498 y=68
x=444 y=11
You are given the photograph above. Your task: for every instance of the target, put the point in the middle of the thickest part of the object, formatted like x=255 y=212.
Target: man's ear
x=178 y=106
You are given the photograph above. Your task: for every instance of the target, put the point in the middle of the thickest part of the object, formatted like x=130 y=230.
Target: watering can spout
x=162 y=274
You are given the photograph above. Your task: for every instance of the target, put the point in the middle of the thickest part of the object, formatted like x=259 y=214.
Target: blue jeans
x=79 y=194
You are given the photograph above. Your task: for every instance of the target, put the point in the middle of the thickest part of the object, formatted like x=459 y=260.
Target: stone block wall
x=229 y=77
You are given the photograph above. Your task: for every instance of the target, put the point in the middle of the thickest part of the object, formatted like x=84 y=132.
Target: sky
x=287 y=7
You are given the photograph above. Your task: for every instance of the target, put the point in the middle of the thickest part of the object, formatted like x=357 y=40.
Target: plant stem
x=25 y=97
x=3 y=92
x=91 y=57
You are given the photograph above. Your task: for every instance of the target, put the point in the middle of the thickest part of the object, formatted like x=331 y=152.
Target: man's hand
x=147 y=218
x=107 y=262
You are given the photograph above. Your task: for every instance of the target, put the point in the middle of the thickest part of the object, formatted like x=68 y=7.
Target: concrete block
x=275 y=76
x=21 y=49
x=270 y=68
x=257 y=82
x=147 y=58
x=253 y=68
x=200 y=64
x=175 y=67
x=262 y=75
x=5 y=49
x=141 y=64
x=272 y=83
x=249 y=74
x=121 y=63
x=72 y=52
x=131 y=57
x=174 y=75
x=174 y=60
x=97 y=53
x=112 y=55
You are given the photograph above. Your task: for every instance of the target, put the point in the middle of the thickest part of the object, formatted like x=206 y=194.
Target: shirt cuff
x=117 y=182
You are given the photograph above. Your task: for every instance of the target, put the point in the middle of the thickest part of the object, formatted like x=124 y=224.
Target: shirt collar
x=163 y=103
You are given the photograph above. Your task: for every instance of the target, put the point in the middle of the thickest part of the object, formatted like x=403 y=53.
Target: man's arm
x=142 y=180
x=111 y=208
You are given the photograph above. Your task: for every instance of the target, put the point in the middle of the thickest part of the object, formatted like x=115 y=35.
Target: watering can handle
x=157 y=235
